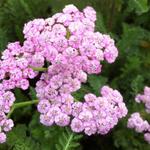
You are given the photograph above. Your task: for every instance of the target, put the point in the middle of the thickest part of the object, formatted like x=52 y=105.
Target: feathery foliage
x=68 y=140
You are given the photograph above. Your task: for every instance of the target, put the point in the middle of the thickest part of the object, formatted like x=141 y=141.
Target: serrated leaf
x=68 y=140
x=18 y=131
x=131 y=38
x=137 y=84
x=19 y=140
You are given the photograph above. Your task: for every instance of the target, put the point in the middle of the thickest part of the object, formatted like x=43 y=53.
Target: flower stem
x=76 y=100
x=68 y=34
x=39 y=69
x=21 y=104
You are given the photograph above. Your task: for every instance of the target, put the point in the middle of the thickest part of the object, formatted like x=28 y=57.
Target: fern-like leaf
x=68 y=140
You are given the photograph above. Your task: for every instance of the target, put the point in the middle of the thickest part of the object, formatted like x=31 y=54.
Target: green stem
x=39 y=69
x=76 y=100
x=69 y=141
x=21 y=104
x=11 y=111
x=68 y=34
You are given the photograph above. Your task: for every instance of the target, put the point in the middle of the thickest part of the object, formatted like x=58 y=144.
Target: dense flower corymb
x=74 y=51
x=135 y=121
x=98 y=114
x=145 y=98
x=67 y=45
x=141 y=126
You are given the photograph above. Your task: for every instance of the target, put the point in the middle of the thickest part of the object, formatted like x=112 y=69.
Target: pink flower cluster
x=68 y=46
x=95 y=115
x=14 y=72
x=145 y=98
x=140 y=125
x=14 y=67
x=135 y=121
x=98 y=114
x=6 y=101
x=68 y=42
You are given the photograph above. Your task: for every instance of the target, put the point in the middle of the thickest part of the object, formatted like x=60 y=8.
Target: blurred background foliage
x=128 y=22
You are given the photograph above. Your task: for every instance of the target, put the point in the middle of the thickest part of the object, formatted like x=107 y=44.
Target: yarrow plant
x=65 y=49
x=135 y=121
x=144 y=98
x=98 y=114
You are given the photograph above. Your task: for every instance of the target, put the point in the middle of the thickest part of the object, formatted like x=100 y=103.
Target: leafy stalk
x=68 y=140
x=21 y=104
x=39 y=68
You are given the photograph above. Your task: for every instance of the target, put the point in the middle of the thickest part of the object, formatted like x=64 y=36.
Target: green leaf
x=100 y=25
x=32 y=93
x=26 y=7
x=18 y=139
x=140 y=6
x=17 y=14
x=68 y=140
x=131 y=39
x=132 y=65
x=19 y=33
x=3 y=39
x=46 y=136
x=18 y=131
x=130 y=140
x=20 y=96
x=96 y=82
x=137 y=84
x=79 y=95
